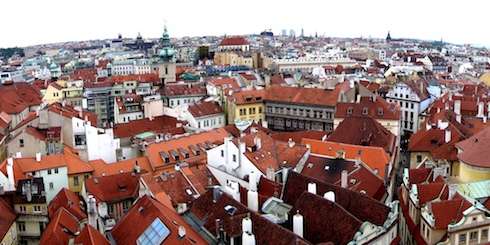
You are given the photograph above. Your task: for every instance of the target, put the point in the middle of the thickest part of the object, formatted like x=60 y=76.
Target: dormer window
x=364 y=111
x=380 y=111
x=349 y=111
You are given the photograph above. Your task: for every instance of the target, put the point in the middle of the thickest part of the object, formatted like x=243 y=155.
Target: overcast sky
x=28 y=22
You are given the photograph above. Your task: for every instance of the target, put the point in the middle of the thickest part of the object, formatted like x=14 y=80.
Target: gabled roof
x=377 y=108
x=113 y=188
x=244 y=97
x=359 y=177
x=7 y=218
x=431 y=191
x=90 y=236
x=161 y=124
x=143 y=213
x=364 y=131
x=69 y=111
x=207 y=210
x=360 y=206
x=68 y=200
x=325 y=221
x=17 y=97
x=418 y=175
x=60 y=229
x=205 y=108
x=448 y=211
x=183 y=90
x=474 y=150
x=374 y=157
x=188 y=143
x=233 y=41
x=305 y=96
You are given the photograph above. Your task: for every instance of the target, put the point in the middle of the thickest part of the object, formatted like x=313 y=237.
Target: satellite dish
x=102 y=209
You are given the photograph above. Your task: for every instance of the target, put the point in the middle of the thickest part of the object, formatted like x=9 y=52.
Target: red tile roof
x=17 y=97
x=187 y=143
x=113 y=188
x=419 y=175
x=90 y=236
x=364 y=131
x=143 y=213
x=225 y=82
x=143 y=78
x=60 y=229
x=159 y=125
x=85 y=74
x=68 y=200
x=360 y=206
x=307 y=96
x=298 y=136
x=332 y=224
x=474 y=150
x=184 y=90
x=247 y=97
x=448 y=211
x=205 y=108
x=233 y=41
x=102 y=168
x=374 y=157
x=7 y=218
x=431 y=191
x=70 y=112
x=376 y=108
x=208 y=210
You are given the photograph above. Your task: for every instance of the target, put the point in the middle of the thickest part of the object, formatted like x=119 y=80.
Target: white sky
x=28 y=22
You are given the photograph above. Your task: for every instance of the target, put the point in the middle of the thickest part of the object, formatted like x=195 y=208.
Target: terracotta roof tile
x=113 y=188
x=474 y=150
x=17 y=97
x=376 y=108
x=68 y=200
x=143 y=213
x=161 y=125
x=7 y=218
x=102 y=168
x=307 y=96
x=90 y=236
x=232 y=41
x=205 y=108
x=247 y=96
x=60 y=229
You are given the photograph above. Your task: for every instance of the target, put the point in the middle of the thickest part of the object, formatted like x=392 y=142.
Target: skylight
x=154 y=234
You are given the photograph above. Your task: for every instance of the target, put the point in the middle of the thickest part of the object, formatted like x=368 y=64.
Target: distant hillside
x=9 y=52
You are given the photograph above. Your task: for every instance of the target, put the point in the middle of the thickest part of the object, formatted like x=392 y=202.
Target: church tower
x=388 y=37
x=166 y=67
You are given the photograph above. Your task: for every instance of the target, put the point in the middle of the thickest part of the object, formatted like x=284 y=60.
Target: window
x=364 y=111
x=349 y=111
x=154 y=233
x=75 y=181
x=222 y=153
x=37 y=208
x=126 y=206
x=484 y=235
x=419 y=158
x=462 y=238
x=56 y=170
x=22 y=209
x=22 y=225
x=234 y=158
x=473 y=236
x=260 y=109
x=51 y=185
x=411 y=105
x=49 y=171
x=21 y=143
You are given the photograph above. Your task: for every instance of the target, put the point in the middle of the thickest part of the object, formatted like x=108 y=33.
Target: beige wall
x=32 y=145
x=10 y=237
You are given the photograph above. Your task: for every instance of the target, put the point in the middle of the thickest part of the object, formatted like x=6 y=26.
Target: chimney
x=457 y=107
x=458 y=118
x=252 y=195
x=374 y=98
x=451 y=190
x=247 y=224
x=341 y=154
x=10 y=173
x=329 y=196
x=358 y=98
x=343 y=179
x=312 y=188
x=248 y=238
x=447 y=135
x=38 y=156
x=271 y=173
x=285 y=172
x=290 y=142
x=480 y=109
x=181 y=231
x=257 y=142
x=18 y=154
x=298 y=224
x=28 y=190
x=234 y=189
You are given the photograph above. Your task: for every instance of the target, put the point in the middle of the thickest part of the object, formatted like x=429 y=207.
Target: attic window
x=380 y=111
x=165 y=157
x=349 y=111
x=258 y=98
x=364 y=111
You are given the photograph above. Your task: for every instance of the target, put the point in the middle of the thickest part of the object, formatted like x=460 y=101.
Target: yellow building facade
x=247 y=105
x=232 y=59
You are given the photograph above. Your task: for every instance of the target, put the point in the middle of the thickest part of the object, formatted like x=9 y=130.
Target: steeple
x=167 y=52
x=388 y=37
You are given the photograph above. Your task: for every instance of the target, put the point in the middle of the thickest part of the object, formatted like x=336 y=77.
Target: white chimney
x=257 y=142
x=330 y=195
x=447 y=135
x=10 y=173
x=312 y=188
x=343 y=178
x=290 y=142
x=457 y=107
x=18 y=154
x=252 y=181
x=252 y=195
x=270 y=173
x=248 y=238
x=481 y=107
x=181 y=231
x=247 y=224
x=298 y=224
x=233 y=189
x=458 y=118
x=488 y=109
x=38 y=156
